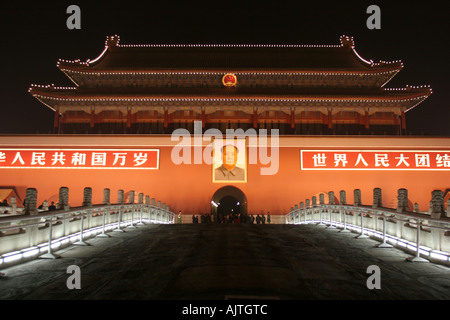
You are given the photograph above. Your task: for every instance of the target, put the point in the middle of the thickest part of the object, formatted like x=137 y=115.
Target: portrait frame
x=241 y=162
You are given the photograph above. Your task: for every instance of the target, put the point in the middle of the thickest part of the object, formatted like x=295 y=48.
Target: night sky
x=35 y=36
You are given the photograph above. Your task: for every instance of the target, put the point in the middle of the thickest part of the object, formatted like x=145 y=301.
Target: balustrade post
x=159 y=212
x=131 y=196
x=45 y=205
x=13 y=202
x=447 y=213
x=321 y=203
x=153 y=210
x=294 y=215
x=362 y=235
x=313 y=203
x=104 y=212
x=49 y=254
x=308 y=205
x=81 y=241
x=384 y=244
x=302 y=208
x=141 y=208
x=120 y=218
x=163 y=206
x=120 y=201
x=417 y=257
x=437 y=212
x=147 y=207
x=331 y=202
x=343 y=212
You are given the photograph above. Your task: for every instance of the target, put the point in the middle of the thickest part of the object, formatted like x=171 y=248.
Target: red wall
x=189 y=187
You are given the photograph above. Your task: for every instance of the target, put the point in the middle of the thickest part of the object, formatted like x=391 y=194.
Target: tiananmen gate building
x=303 y=120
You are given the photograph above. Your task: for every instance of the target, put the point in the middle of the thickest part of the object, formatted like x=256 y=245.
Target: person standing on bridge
x=268 y=217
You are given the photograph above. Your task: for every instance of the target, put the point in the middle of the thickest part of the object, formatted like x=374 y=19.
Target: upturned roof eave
x=100 y=64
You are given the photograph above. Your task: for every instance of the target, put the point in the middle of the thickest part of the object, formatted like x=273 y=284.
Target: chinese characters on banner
x=79 y=158
x=374 y=160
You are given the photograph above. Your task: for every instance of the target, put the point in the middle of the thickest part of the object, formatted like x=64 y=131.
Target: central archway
x=227 y=201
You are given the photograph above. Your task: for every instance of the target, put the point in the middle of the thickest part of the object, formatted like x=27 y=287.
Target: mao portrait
x=229 y=164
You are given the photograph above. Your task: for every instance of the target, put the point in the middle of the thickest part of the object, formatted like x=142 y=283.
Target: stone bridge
x=139 y=253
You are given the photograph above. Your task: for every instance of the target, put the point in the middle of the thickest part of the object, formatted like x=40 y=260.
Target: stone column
x=377 y=202
x=131 y=196
x=402 y=200
x=45 y=205
x=416 y=207
x=322 y=198
x=120 y=197
x=13 y=202
x=158 y=212
x=63 y=198
x=307 y=202
x=437 y=204
x=106 y=196
x=295 y=207
x=357 y=197
x=301 y=205
x=437 y=212
x=31 y=202
x=342 y=197
x=87 y=197
x=153 y=201
x=141 y=198
x=331 y=197
x=147 y=199
x=447 y=214
x=314 y=200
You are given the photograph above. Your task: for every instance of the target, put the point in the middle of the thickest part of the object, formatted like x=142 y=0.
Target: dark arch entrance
x=228 y=201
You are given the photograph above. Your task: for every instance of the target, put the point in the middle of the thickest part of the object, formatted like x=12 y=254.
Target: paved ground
x=217 y=262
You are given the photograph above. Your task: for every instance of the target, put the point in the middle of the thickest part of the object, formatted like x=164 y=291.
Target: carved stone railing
x=37 y=233
x=425 y=234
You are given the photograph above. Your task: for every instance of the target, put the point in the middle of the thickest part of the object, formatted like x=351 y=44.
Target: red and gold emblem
x=229 y=80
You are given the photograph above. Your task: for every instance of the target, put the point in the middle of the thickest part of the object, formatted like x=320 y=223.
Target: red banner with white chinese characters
x=79 y=158
x=374 y=160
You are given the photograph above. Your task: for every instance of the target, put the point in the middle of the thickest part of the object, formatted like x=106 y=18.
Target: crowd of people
x=233 y=218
